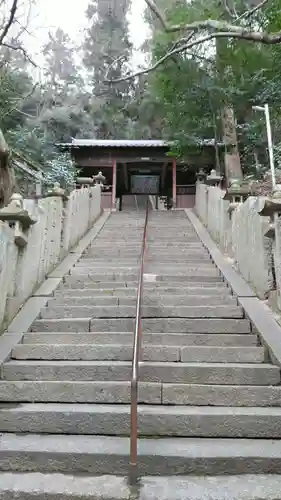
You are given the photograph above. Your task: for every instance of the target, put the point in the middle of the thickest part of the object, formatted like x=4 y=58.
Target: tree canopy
x=204 y=57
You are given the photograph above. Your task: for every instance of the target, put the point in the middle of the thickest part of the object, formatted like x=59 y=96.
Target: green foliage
x=61 y=169
x=194 y=86
x=181 y=101
x=14 y=87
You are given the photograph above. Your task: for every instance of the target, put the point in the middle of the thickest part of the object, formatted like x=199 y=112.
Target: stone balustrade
x=240 y=234
x=29 y=252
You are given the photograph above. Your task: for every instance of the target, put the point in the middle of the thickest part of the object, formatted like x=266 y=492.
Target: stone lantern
x=99 y=179
x=214 y=179
x=236 y=193
x=201 y=176
x=271 y=206
x=18 y=218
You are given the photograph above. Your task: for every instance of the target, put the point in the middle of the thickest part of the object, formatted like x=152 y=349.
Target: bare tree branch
x=9 y=21
x=252 y=11
x=20 y=49
x=20 y=100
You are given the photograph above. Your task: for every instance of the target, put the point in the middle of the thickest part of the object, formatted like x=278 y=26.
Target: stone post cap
x=56 y=190
x=276 y=194
x=214 y=178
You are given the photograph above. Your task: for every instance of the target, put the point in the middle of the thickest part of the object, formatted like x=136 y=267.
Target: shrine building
x=133 y=168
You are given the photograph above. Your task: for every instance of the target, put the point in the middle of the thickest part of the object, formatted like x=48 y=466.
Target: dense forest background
x=183 y=99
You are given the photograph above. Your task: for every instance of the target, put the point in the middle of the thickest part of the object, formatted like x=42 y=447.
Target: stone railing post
x=272 y=208
x=19 y=218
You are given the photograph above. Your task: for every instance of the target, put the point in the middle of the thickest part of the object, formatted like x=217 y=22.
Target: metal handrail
x=136 y=354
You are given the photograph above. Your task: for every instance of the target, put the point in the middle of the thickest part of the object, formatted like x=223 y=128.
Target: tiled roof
x=132 y=143
x=119 y=143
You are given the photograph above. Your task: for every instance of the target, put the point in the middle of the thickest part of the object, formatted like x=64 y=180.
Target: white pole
x=270 y=145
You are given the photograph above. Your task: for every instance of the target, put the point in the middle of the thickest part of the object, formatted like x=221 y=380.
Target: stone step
x=148 y=393
x=134 y=237
x=43 y=486
x=152 y=300
x=157 y=311
x=161 y=325
x=162 y=421
x=167 y=339
x=207 y=271
x=194 y=287
x=78 y=279
x=193 y=373
x=179 y=257
x=99 y=455
x=127 y=293
x=165 y=254
x=151 y=352
x=81 y=392
x=134 y=263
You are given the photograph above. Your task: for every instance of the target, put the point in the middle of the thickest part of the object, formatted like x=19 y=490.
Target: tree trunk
x=233 y=169
x=7 y=178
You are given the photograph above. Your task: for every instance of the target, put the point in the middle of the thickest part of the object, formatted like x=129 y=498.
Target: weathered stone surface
x=61 y=325
x=196 y=373
x=218 y=354
x=152 y=300
x=67 y=370
x=63 y=487
x=222 y=311
x=160 y=325
x=109 y=420
x=221 y=395
x=245 y=487
x=166 y=339
x=109 y=352
x=77 y=392
x=123 y=288
x=211 y=373
x=109 y=455
x=68 y=487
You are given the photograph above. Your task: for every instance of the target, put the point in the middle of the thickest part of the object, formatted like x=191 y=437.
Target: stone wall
x=240 y=236
x=60 y=225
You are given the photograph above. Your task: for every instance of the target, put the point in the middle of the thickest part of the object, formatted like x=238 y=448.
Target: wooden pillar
x=113 y=201
x=174 y=167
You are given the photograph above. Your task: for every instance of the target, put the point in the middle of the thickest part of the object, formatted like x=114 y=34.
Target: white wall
x=60 y=225
x=239 y=236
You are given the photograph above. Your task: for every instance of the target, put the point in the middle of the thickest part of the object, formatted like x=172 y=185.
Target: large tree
x=15 y=88
x=212 y=61
x=107 y=55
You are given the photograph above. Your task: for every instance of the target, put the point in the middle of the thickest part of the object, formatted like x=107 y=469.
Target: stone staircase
x=209 y=398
